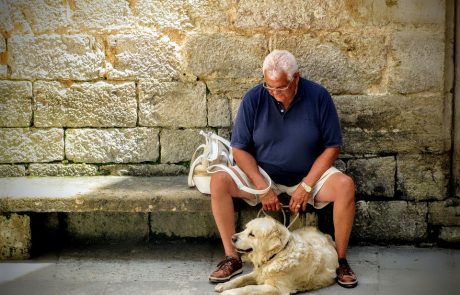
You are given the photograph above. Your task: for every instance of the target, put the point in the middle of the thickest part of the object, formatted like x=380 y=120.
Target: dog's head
x=261 y=240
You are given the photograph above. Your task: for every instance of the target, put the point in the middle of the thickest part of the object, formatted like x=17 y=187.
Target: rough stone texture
x=184 y=225
x=179 y=145
x=234 y=106
x=22 y=145
x=14 y=236
x=423 y=177
x=409 y=74
x=450 y=235
x=74 y=57
x=128 y=145
x=2 y=44
x=15 y=104
x=101 y=15
x=218 y=59
x=93 y=226
x=390 y=221
x=6 y=22
x=189 y=14
x=374 y=176
x=37 y=16
x=232 y=88
x=62 y=170
x=445 y=213
x=12 y=170
x=172 y=104
x=143 y=55
x=304 y=219
x=99 y=104
x=3 y=71
x=219 y=112
x=144 y=170
x=348 y=62
x=100 y=193
x=383 y=12
x=296 y=14
x=388 y=124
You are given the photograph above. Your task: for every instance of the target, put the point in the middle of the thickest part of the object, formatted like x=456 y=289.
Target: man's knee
x=221 y=181
x=348 y=186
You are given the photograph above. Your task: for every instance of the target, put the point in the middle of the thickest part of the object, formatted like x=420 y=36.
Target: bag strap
x=239 y=183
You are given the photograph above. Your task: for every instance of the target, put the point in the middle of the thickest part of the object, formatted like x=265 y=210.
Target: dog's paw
x=221 y=287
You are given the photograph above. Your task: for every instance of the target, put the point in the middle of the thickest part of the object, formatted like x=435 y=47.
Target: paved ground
x=183 y=267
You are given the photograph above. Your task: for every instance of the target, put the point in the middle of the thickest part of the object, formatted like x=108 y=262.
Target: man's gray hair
x=278 y=62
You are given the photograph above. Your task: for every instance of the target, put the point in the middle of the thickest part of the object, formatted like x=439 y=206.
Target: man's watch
x=306 y=187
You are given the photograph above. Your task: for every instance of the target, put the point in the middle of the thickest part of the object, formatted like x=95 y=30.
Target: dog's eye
x=251 y=234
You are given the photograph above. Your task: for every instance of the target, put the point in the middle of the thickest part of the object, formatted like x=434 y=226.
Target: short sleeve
x=329 y=122
x=244 y=125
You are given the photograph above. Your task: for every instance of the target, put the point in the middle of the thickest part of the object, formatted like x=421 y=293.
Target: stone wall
x=122 y=87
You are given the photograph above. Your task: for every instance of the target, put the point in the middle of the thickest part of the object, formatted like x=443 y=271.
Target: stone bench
x=107 y=208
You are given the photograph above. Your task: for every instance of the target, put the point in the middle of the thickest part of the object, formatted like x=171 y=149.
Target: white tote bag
x=213 y=156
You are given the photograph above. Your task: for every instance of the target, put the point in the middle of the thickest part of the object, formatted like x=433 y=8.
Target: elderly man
x=289 y=127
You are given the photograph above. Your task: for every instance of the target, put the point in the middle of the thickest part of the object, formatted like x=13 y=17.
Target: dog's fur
x=284 y=262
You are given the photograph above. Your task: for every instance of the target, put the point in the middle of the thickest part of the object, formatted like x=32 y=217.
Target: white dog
x=284 y=262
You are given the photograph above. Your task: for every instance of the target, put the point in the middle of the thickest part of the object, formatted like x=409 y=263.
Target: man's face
x=282 y=89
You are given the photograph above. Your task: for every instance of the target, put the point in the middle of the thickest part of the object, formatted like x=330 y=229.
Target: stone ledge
x=100 y=193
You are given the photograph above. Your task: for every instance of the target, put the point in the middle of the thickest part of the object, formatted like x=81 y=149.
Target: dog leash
x=284 y=215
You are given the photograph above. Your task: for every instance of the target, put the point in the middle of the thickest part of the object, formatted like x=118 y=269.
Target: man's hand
x=270 y=201
x=299 y=200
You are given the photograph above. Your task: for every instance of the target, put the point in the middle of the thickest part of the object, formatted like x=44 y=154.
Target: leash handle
x=284 y=215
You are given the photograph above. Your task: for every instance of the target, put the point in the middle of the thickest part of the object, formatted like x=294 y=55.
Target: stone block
x=298 y=14
x=179 y=145
x=423 y=177
x=22 y=145
x=392 y=123
x=12 y=170
x=99 y=104
x=390 y=221
x=346 y=62
x=219 y=114
x=232 y=88
x=445 y=213
x=406 y=12
x=450 y=235
x=67 y=57
x=38 y=16
x=234 y=106
x=182 y=15
x=101 y=15
x=183 y=224
x=172 y=104
x=374 y=176
x=15 y=236
x=143 y=55
x=225 y=55
x=127 y=145
x=15 y=104
x=144 y=170
x=62 y=170
x=3 y=71
x=90 y=227
x=2 y=44
x=418 y=61
x=6 y=21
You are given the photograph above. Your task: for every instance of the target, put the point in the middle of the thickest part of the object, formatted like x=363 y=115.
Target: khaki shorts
x=279 y=188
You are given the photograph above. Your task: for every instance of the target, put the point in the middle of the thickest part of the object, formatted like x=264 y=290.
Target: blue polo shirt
x=285 y=143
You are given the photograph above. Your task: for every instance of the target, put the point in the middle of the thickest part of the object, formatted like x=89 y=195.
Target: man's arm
x=248 y=164
x=321 y=164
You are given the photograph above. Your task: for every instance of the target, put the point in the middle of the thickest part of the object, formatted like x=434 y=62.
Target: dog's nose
x=234 y=238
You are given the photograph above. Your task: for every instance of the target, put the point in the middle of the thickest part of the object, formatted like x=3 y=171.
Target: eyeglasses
x=279 y=89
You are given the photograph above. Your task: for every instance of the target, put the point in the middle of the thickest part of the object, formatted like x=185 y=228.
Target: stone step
x=106 y=208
